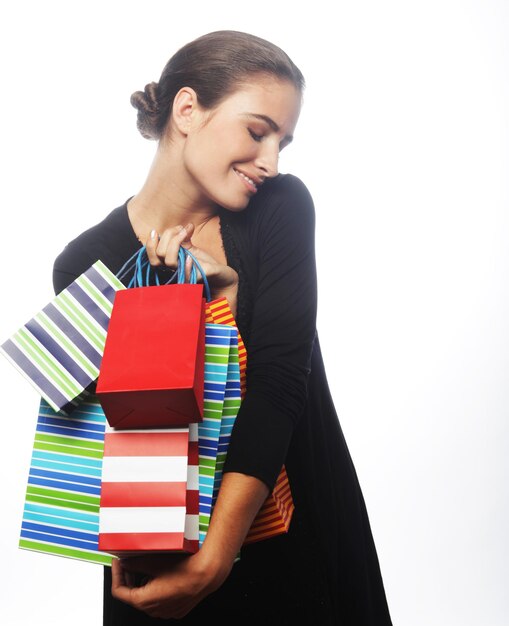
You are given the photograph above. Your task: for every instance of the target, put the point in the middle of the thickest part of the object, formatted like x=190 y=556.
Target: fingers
x=170 y=594
x=151 y=246
x=144 y=597
x=121 y=583
x=164 y=249
x=188 y=268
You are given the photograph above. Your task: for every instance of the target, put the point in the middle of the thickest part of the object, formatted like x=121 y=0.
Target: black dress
x=325 y=570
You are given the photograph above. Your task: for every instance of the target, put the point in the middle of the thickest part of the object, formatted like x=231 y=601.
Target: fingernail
x=153 y=234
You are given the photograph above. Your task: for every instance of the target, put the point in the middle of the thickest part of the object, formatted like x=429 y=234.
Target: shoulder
x=275 y=231
x=284 y=213
x=284 y=192
x=111 y=241
x=283 y=203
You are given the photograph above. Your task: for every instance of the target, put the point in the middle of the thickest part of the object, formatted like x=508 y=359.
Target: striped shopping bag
x=221 y=355
x=219 y=312
x=61 y=511
x=149 y=491
x=231 y=406
x=60 y=349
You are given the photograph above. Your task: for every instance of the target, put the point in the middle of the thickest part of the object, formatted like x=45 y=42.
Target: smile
x=250 y=184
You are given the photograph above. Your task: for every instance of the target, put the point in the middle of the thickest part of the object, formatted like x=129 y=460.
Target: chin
x=235 y=207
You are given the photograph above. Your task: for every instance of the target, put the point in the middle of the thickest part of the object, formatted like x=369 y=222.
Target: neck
x=169 y=197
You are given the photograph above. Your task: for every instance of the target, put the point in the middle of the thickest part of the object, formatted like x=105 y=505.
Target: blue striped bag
x=61 y=512
x=222 y=386
x=59 y=351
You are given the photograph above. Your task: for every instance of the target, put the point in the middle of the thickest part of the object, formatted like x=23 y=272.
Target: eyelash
x=259 y=137
x=255 y=136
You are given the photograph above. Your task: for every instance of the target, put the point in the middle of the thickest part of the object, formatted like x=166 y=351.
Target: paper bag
x=152 y=368
x=60 y=350
x=145 y=505
x=61 y=512
x=219 y=353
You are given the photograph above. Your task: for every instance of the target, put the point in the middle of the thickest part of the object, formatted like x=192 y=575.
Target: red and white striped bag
x=149 y=491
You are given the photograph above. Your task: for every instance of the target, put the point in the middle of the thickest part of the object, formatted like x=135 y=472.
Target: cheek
x=198 y=159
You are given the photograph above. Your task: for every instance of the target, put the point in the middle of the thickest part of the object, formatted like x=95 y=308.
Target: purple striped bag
x=59 y=351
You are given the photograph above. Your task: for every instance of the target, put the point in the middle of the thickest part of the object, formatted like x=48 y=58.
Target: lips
x=254 y=181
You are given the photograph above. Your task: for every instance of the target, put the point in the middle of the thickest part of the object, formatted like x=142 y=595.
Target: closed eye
x=255 y=136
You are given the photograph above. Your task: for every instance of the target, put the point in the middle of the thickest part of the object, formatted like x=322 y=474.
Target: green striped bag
x=61 y=513
x=59 y=350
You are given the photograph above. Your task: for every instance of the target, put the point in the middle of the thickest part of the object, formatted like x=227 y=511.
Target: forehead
x=266 y=97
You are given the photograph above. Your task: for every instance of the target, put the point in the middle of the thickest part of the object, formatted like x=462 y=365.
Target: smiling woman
x=224 y=107
x=227 y=141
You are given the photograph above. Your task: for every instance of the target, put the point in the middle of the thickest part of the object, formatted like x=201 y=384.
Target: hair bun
x=147 y=104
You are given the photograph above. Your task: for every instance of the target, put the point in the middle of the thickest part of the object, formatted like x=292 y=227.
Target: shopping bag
x=59 y=350
x=152 y=369
x=218 y=312
x=275 y=515
x=149 y=491
x=218 y=355
x=61 y=510
x=231 y=406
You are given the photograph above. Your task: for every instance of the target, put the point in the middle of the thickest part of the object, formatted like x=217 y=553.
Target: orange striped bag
x=276 y=513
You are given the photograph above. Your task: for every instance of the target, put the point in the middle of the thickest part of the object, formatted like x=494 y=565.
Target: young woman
x=226 y=104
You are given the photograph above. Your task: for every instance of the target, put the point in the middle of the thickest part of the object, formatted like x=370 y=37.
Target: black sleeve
x=111 y=240
x=62 y=278
x=75 y=258
x=282 y=333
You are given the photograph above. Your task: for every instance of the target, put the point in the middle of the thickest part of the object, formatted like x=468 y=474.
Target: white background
x=403 y=143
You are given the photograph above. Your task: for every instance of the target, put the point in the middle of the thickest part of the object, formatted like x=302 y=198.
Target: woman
x=224 y=107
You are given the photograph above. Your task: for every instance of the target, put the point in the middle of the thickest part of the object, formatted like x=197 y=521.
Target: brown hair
x=214 y=65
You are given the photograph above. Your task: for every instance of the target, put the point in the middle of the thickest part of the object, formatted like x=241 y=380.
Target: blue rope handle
x=128 y=266
x=139 y=263
x=183 y=252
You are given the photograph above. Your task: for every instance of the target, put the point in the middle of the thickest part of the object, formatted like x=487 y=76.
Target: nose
x=268 y=160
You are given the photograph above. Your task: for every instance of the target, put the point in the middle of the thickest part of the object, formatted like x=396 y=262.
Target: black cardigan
x=325 y=571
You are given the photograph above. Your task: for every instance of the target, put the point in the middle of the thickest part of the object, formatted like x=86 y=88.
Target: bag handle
x=142 y=271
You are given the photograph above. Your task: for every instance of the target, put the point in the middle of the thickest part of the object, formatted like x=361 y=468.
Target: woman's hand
x=163 y=251
x=173 y=584
x=177 y=583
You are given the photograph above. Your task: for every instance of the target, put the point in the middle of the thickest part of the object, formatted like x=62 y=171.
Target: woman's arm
x=176 y=585
x=277 y=240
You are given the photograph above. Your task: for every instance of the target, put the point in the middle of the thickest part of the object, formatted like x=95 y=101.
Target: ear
x=185 y=109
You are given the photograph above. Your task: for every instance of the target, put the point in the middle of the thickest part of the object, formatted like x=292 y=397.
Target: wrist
x=214 y=566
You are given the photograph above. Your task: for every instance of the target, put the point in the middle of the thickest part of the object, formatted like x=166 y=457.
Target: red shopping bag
x=149 y=491
x=152 y=369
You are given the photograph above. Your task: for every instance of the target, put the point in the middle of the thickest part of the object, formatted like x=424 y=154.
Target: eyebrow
x=270 y=122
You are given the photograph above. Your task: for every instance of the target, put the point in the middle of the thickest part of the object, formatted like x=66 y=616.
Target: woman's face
x=240 y=140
